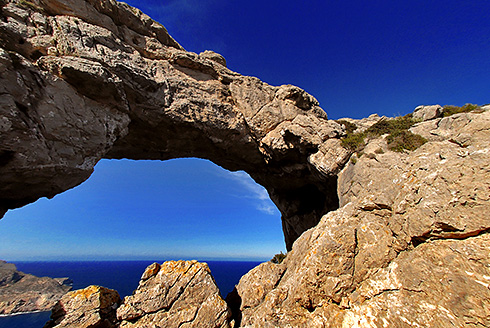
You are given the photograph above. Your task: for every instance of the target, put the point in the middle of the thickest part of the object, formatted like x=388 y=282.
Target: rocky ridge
x=376 y=239
x=21 y=292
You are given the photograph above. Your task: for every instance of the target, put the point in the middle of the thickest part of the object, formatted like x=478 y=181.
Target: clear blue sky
x=355 y=57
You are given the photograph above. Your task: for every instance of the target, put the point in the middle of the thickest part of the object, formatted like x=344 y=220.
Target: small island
x=21 y=292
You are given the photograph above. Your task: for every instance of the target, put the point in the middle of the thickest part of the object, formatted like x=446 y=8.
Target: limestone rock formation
x=426 y=113
x=377 y=239
x=91 y=79
x=91 y=307
x=175 y=294
x=21 y=292
x=409 y=246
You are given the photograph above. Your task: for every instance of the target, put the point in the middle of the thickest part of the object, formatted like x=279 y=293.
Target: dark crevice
x=22 y=108
x=450 y=234
x=36 y=54
x=234 y=301
x=6 y=156
x=309 y=307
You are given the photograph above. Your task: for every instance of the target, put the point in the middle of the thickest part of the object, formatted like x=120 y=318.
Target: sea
x=122 y=276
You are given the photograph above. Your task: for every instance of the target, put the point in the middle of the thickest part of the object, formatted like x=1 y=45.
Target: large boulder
x=425 y=113
x=175 y=294
x=91 y=307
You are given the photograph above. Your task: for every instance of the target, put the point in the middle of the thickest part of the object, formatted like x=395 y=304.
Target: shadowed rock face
x=85 y=80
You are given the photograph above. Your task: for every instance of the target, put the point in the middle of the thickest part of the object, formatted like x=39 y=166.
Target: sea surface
x=122 y=276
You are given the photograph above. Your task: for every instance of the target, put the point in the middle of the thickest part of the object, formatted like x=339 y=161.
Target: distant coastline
x=21 y=313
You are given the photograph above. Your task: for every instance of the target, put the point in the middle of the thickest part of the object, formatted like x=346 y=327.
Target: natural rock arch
x=99 y=79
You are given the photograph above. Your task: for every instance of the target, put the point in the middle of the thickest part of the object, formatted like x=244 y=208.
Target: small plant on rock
x=449 y=110
x=278 y=258
x=404 y=140
x=399 y=138
x=349 y=127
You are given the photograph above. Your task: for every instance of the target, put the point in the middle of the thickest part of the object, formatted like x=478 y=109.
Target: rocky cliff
x=21 y=292
x=386 y=219
x=409 y=246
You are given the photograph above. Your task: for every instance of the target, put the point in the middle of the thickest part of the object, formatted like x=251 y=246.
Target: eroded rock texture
x=409 y=246
x=175 y=294
x=91 y=307
x=85 y=80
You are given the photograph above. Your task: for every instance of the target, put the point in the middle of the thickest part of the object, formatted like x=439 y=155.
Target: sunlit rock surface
x=408 y=248
x=175 y=294
x=90 y=307
x=381 y=239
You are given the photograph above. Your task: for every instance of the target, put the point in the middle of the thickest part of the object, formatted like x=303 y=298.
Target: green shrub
x=404 y=140
x=449 y=110
x=399 y=138
x=385 y=126
x=278 y=258
x=354 y=141
x=349 y=127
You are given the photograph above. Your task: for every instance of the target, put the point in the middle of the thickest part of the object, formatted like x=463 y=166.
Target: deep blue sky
x=355 y=57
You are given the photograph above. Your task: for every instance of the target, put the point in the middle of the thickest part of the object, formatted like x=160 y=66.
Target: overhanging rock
x=86 y=80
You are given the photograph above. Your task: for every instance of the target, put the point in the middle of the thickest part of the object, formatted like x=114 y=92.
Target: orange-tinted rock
x=93 y=306
x=180 y=292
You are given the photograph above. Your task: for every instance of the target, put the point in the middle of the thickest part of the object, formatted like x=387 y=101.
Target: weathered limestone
x=382 y=240
x=408 y=247
x=85 y=80
x=93 y=306
x=175 y=294
x=425 y=113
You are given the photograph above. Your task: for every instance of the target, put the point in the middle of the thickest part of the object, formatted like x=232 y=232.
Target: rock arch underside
x=387 y=239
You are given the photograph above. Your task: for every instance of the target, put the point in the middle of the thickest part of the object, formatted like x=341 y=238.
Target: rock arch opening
x=133 y=210
x=99 y=94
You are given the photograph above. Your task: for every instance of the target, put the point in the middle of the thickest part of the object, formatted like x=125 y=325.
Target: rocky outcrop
x=381 y=238
x=85 y=80
x=425 y=113
x=175 y=294
x=21 y=292
x=91 y=307
x=409 y=245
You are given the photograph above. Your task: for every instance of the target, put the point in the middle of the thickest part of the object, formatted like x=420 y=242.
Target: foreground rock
x=91 y=307
x=21 y=292
x=175 y=294
x=409 y=246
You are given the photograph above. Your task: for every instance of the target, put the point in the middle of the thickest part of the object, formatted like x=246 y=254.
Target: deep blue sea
x=122 y=276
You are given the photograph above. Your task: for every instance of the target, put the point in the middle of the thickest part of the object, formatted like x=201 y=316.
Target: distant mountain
x=22 y=292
